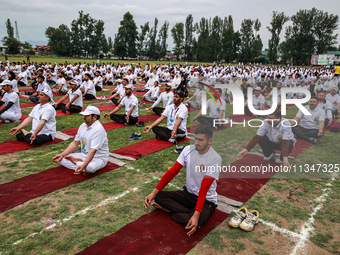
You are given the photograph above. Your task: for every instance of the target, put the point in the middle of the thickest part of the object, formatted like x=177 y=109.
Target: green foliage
x=178 y=35
x=251 y=43
x=125 y=40
x=13 y=45
x=278 y=20
x=312 y=31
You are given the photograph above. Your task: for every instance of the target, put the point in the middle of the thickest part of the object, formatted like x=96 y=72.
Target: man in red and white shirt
x=195 y=204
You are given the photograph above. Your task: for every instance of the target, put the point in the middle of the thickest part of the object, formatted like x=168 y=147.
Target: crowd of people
x=196 y=203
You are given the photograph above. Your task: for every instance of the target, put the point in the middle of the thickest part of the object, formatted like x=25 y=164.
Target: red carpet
x=113 y=125
x=144 y=148
x=150 y=235
x=242 y=186
x=24 y=189
x=13 y=146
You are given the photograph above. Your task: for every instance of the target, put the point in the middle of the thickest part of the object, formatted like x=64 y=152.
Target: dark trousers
x=163 y=133
x=181 y=205
x=206 y=121
x=40 y=139
x=120 y=118
x=247 y=111
x=115 y=101
x=73 y=108
x=89 y=96
x=158 y=110
x=304 y=133
x=98 y=88
x=20 y=83
x=268 y=146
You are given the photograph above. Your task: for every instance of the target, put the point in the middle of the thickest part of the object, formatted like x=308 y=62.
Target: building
x=42 y=49
x=3 y=49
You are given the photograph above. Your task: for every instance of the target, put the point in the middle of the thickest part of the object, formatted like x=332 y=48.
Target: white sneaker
x=279 y=161
x=249 y=222
x=240 y=215
x=269 y=157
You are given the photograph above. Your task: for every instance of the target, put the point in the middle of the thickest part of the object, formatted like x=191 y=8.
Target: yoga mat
x=144 y=148
x=13 y=146
x=242 y=186
x=113 y=125
x=24 y=189
x=153 y=233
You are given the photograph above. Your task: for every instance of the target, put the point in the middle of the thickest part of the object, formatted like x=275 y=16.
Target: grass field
x=60 y=60
x=285 y=203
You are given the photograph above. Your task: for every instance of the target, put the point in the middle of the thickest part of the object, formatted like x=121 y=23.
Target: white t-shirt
x=89 y=85
x=62 y=82
x=257 y=101
x=79 y=100
x=42 y=86
x=166 y=98
x=173 y=114
x=334 y=100
x=199 y=166
x=109 y=77
x=93 y=137
x=98 y=79
x=277 y=133
x=12 y=97
x=23 y=75
x=311 y=121
x=327 y=107
x=45 y=112
x=127 y=102
x=214 y=109
x=154 y=91
x=15 y=86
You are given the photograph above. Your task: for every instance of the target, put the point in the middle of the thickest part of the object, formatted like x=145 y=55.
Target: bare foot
x=72 y=159
x=157 y=206
x=25 y=132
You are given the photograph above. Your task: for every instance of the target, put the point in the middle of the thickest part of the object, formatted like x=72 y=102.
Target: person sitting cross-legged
x=92 y=138
x=196 y=202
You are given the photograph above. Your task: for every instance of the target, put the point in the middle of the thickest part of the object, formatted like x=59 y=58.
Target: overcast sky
x=34 y=16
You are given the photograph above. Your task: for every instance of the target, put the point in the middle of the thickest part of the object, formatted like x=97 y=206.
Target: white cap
x=169 y=84
x=48 y=93
x=90 y=110
x=119 y=81
x=74 y=82
x=6 y=82
x=257 y=88
x=129 y=86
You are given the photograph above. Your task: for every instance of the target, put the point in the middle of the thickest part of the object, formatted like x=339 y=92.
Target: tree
x=125 y=40
x=189 y=34
x=59 y=40
x=202 y=29
x=141 y=45
x=215 y=38
x=312 y=31
x=163 y=35
x=152 y=47
x=109 y=43
x=230 y=41
x=177 y=33
x=251 y=43
x=13 y=45
x=278 y=20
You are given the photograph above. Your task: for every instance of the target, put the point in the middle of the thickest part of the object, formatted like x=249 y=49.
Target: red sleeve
x=205 y=186
x=169 y=175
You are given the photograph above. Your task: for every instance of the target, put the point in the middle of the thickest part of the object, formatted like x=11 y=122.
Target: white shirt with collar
x=166 y=98
x=89 y=85
x=44 y=112
x=13 y=97
x=334 y=100
x=214 y=109
x=127 y=102
x=173 y=114
x=327 y=107
x=93 y=137
x=311 y=121
x=282 y=131
x=79 y=100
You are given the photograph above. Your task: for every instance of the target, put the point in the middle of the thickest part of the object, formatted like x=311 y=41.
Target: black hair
x=126 y=80
x=180 y=93
x=313 y=97
x=204 y=129
x=12 y=75
x=98 y=116
x=88 y=75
